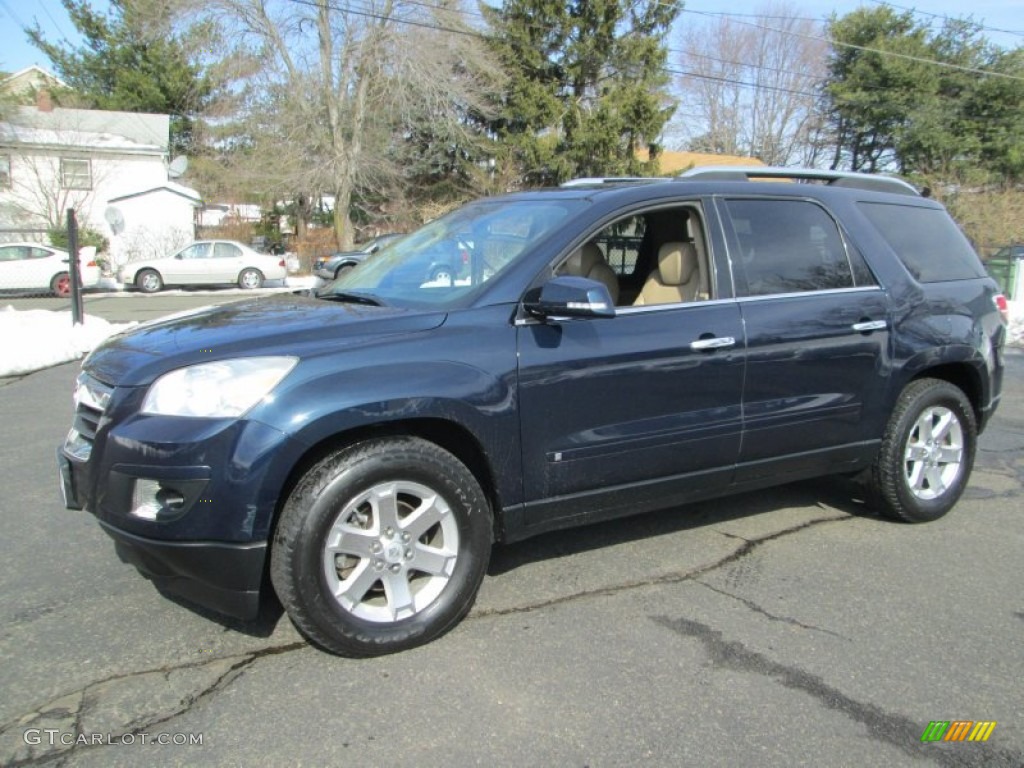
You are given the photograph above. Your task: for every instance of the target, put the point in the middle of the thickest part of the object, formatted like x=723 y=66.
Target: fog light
x=153 y=501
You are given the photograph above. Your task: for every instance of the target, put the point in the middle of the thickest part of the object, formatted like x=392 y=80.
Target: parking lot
x=786 y=627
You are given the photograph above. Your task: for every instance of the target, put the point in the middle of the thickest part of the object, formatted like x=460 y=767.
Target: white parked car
x=205 y=262
x=35 y=267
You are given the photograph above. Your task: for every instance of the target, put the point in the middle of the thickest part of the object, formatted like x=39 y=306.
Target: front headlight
x=215 y=390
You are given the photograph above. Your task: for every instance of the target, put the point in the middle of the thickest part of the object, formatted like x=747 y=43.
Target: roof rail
x=867 y=181
x=587 y=181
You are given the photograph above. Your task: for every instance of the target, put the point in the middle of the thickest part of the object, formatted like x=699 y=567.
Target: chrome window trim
x=823 y=292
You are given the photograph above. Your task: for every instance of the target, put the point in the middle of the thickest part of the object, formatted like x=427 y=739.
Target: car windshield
x=445 y=264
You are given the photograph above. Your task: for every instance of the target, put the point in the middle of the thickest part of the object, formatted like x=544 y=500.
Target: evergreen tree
x=132 y=61
x=939 y=103
x=588 y=85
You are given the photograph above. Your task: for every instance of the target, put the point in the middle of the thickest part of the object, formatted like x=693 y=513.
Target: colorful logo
x=958 y=730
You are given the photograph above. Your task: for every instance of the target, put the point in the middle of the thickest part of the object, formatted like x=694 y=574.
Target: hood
x=285 y=324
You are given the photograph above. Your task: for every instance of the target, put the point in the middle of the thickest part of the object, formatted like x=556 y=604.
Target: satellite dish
x=115 y=219
x=177 y=167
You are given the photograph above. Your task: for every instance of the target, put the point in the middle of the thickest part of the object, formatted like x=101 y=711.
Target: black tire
x=918 y=475
x=337 y=492
x=149 y=281
x=250 y=278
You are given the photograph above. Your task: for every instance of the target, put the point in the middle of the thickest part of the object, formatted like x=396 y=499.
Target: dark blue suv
x=611 y=347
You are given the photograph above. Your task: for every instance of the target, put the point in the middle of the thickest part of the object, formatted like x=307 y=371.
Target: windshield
x=444 y=264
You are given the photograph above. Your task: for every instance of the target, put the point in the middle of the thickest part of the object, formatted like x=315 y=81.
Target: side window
x=12 y=253
x=226 y=251
x=75 y=174
x=620 y=243
x=197 y=251
x=654 y=257
x=788 y=246
x=926 y=240
x=862 y=274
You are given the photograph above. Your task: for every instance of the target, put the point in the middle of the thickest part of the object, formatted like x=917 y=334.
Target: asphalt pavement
x=787 y=627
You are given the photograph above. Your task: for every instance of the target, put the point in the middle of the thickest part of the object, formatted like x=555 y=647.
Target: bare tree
x=340 y=87
x=749 y=87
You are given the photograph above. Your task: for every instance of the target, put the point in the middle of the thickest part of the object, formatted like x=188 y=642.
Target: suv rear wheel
x=381 y=547
x=927 y=453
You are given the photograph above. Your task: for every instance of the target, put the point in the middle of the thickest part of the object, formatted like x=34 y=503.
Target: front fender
x=327 y=405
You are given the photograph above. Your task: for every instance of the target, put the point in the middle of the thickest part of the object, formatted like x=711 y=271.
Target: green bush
x=86 y=237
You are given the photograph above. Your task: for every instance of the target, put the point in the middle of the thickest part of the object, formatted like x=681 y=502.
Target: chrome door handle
x=717 y=343
x=870 y=325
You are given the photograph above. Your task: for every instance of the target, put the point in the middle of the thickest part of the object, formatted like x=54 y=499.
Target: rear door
x=226 y=263
x=817 y=331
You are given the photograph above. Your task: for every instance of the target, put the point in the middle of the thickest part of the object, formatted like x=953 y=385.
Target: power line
x=10 y=12
x=828 y=40
x=666 y=69
x=865 y=48
x=913 y=10
x=917 y=12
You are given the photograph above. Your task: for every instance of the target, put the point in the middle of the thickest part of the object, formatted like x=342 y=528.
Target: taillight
x=92 y=264
x=281 y=263
x=1003 y=306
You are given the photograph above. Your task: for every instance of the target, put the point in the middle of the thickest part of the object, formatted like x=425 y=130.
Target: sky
x=17 y=53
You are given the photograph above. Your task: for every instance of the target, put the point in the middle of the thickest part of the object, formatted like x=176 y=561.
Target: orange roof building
x=673 y=163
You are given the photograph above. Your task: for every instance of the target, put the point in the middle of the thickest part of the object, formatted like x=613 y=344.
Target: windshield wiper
x=352 y=297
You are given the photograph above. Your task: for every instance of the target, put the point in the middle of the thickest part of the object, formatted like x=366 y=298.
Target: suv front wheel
x=927 y=453
x=381 y=546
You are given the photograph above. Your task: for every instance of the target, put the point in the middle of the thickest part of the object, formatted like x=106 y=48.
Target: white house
x=111 y=167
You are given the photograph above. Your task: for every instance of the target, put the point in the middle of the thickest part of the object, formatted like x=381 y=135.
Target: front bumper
x=223 y=577
x=189 y=502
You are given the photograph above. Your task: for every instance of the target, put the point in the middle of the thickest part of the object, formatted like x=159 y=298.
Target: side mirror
x=571 y=297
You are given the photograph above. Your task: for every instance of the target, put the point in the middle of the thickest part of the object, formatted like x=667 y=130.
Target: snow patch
x=1015 y=333
x=38 y=338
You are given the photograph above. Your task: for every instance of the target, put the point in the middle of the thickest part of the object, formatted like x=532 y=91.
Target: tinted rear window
x=926 y=240
x=788 y=246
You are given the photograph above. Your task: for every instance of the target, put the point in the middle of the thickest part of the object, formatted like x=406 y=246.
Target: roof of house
x=177 y=189
x=86 y=129
x=29 y=78
x=672 y=162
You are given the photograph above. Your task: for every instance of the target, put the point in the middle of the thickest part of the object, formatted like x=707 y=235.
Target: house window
x=75 y=174
x=5 y=171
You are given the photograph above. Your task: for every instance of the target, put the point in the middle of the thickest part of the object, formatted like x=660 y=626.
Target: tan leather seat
x=676 y=279
x=588 y=261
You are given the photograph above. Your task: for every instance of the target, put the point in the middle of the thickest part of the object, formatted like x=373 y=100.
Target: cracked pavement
x=783 y=627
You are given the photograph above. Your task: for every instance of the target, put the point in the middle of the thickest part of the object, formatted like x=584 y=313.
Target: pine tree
x=588 y=86
x=131 y=61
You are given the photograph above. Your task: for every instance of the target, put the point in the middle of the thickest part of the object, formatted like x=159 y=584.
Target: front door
x=645 y=402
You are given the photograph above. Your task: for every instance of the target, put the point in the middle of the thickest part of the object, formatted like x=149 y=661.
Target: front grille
x=91 y=400
x=87 y=421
